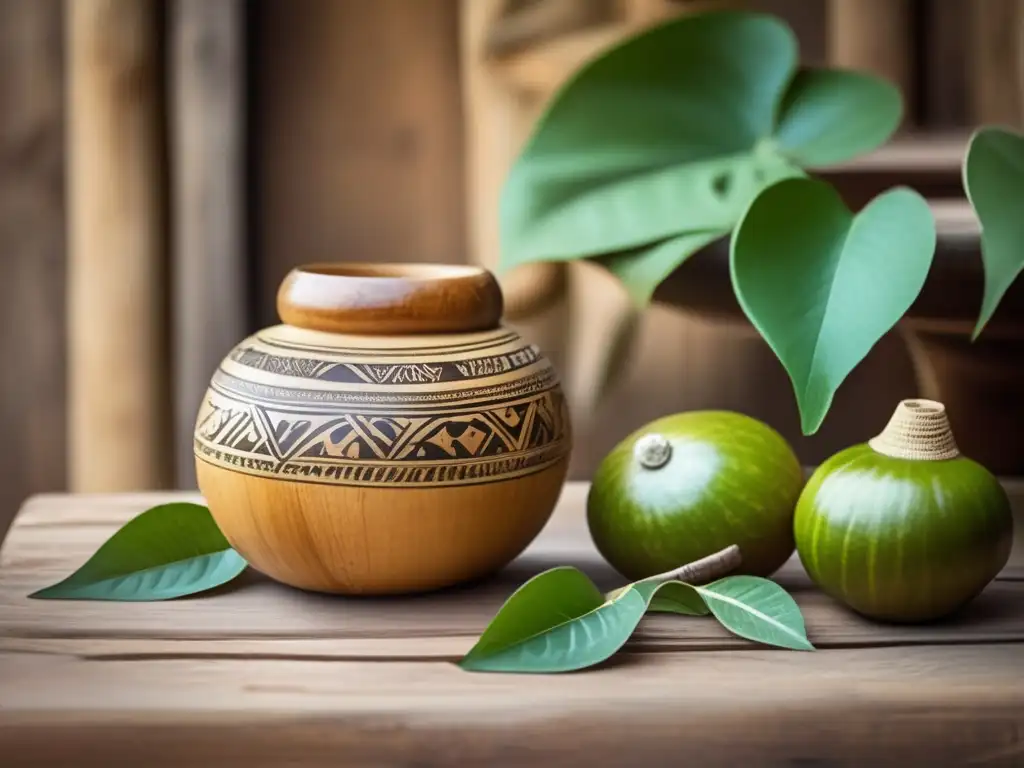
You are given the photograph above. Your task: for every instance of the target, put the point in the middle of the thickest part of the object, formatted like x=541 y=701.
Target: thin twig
x=704 y=570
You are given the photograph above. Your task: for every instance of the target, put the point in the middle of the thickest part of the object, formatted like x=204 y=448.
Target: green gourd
x=688 y=485
x=904 y=528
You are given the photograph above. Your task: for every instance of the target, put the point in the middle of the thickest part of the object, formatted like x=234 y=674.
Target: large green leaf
x=821 y=285
x=546 y=601
x=757 y=609
x=648 y=206
x=168 y=551
x=671 y=133
x=558 y=621
x=831 y=115
x=608 y=165
x=994 y=179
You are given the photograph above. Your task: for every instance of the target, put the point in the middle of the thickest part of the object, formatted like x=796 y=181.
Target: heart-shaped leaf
x=168 y=551
x=606 y=166
x=672 y=132
x=994 y=179
x=822 y=285
x=831 y=115
x=757 y=609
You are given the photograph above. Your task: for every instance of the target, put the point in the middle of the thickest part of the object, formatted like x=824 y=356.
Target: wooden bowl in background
x=390 y=437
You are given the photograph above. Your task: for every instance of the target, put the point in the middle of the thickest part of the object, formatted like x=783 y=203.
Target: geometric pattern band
x=386 y=374
x=522 y=433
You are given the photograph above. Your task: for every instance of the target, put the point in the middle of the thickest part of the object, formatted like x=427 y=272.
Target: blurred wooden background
x=163 y=164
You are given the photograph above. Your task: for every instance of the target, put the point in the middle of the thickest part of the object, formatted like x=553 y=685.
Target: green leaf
x=757 y=609
x=994 y=179
x=558 y=621
x=618 y=349
x=608 y=166
x=649 y=206
x=642 y=270
x=676 y=597
x=168 y=551
x=821 y=285
x=832 y=115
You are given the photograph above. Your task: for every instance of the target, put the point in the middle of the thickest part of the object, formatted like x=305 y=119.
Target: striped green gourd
x=904 y=528
x=687 y=485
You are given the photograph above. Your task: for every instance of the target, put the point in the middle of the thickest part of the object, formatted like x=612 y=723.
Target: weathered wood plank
x=32 y=240
x=117 y=357
x=207 y=82
x=262 y=674
x=925 y=706
x=261 y=610
x=57 y=533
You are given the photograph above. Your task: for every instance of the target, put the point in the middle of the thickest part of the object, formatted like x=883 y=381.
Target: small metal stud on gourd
x=904 y=528
x=688 y=485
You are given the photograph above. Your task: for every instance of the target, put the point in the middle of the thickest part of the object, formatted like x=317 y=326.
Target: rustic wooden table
x=261 y=674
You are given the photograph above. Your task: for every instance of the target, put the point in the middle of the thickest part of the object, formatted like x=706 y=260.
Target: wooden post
x=117 y=356
x=493 y=129
x=995 y=82
x=944 y=62
x=32 y=310
x=498 y=120
x=207 y=156
x=874 y=36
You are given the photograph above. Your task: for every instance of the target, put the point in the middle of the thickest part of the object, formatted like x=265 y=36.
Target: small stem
x=704 y=570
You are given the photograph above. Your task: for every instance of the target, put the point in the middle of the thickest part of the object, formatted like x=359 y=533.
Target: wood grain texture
x=117 y=352
x=262 y=674
x=889 y=707
x=378 y=540
x=56 y=533
x=32 y=241
x=382 y=299
x=207 y=141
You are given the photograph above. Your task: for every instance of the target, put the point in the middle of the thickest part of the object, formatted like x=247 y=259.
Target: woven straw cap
x=919 y=429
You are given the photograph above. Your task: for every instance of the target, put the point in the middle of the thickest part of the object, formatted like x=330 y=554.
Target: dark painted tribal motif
x=386 y=373
x=334 y=400
x=361 y=424
x=413 y=449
